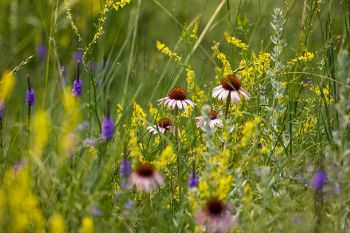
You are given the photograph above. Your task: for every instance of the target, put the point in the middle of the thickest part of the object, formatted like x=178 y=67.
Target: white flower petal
x=179 y=104
x=245 y=93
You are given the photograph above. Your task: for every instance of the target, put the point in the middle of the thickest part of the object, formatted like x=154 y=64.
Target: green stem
x=227 y=105
x=177 y=150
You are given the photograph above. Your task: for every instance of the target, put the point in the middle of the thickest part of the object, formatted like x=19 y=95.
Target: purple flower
x=90 y=141
x=96 y=212
x=107 y=129
x=2 y=109
x=78 y=57
x=77 y=87
x=129 y=205
x=30 y=97
x=319 y=180
x=41 y=51
x=125 y=168
x=193 y=180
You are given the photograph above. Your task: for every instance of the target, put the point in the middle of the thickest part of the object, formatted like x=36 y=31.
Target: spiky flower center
x=213 y=115
x=164 y=123
x=177 y=93
x=215 y=206
x=231 y=83
x=145 y=169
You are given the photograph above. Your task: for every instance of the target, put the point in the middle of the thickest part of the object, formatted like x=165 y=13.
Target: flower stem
x=1 y=137
x=29 y=113
x=177 y=149
x=227 y=105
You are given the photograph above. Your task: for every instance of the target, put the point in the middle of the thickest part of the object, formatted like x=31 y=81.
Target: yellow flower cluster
x=153 y=111
x=166 y=158
x=121 y=4
x=305 y=128
x=194 y=33
x=262 y=62
x=306 y=57
x=71 y=108
x=167 y=52
x=41 y=131
x=7 y=84
x=138 y=119
x=198 y=95
x=19 y=204
x=318 y=91
x=57 y=224
x=222 y=58
x=235 y=41
x=247 y=131
x=87 y=225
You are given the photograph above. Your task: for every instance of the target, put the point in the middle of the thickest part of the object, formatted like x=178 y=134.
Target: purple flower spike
x=319 y=180
x=77 y=87
x=125 y=168
x=30 y=97
x=193 y=180
x=107 y=129
x=41 y=51
x=78 y=57
x=2 y=109
x=129 y=205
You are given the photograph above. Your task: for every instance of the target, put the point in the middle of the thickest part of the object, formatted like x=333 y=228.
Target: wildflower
x=96 y=212
x=214 y=120
x=263 y=90
x=176 y=98
x=216 y=216
x=107 y=128
x=125 y=168
x=77 y=84
x=236 y=42
x=78 y=57
x=146 y=178
x=167 y=157
x=120 y=4
x=319 y=180
x=167 y=52
x=193 y=180
x=90 y=142
x=41 y=51
x=87 y=225
x=230 y=87
x=84 y=125
x=2 y=109
x=129 y=205
x=30 y=97
x=7 y=85
x=57 y=224
x=162 y=125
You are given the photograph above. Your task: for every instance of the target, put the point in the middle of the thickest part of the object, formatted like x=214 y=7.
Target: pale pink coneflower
x=216 y=216
x=162 y=126
x=177 y=98
x=214 y=120
x=145 y=178
x=230 y=88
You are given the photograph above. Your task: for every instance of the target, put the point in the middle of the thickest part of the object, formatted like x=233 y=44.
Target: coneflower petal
x=190 y=102
x=216 y=93
x=184 y=104
x=244 y=92
x=179 y=104
x=235 y=97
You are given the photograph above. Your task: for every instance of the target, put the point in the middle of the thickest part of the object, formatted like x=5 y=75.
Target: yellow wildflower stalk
x=167 y=52
x=87 y=225
x=235 y=41
x=41 y=131
x=222 y=58
x=7 y=85
x=121 y=4
x=306 y=57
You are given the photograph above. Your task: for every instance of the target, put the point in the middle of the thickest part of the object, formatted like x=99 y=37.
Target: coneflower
x=216 y=216
x=230 y=89
x=77 y=84
x=162 y=126
x=145 y=178
x=213 y=120
x=177 y=98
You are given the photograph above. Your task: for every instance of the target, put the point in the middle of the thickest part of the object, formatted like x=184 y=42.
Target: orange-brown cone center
x=213 y=115
x=163 y=123
x=145 y=169
x=231 y=83
x=177 y=93
x=215 y=206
